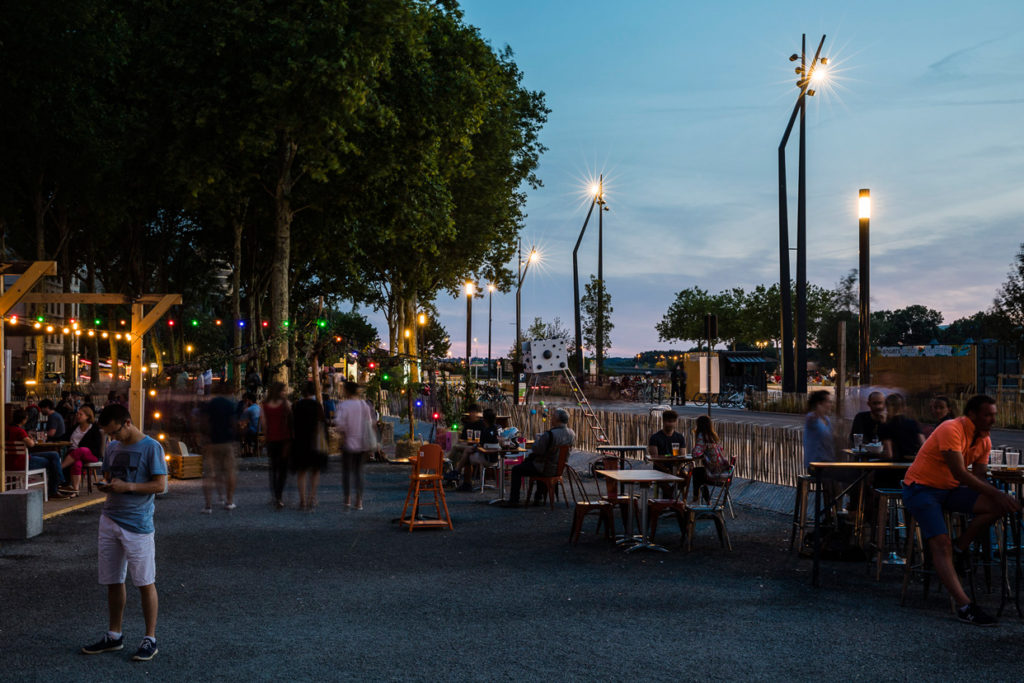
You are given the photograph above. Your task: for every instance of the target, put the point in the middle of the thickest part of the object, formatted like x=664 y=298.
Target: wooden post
x=841 y=377
x=136 y=394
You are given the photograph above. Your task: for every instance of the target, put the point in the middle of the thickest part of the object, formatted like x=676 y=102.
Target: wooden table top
x=46 y=445
x=639 y=476
x=879 y=465
x=609 y=447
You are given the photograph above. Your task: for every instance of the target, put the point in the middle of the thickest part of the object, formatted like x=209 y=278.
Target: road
x=256 y=595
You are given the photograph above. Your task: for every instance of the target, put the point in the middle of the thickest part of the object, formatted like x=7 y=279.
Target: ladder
x=588 y=410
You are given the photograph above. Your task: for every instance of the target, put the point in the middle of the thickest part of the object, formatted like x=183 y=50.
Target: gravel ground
x=258 y=594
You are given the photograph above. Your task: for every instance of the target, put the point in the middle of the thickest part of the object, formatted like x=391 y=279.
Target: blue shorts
x=927 y=505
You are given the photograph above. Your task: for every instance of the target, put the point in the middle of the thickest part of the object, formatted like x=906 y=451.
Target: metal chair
x=677 y=505
x=585 y=506
x=551 y=482
x=22 y=477
x=713 y=510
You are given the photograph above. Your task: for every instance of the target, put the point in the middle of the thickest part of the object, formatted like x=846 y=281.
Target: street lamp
x=864 y=215
x=490 y=319
x=470 y=291
x=599 y=336
x=596 y=191
x=808 y=76
x=517 y=365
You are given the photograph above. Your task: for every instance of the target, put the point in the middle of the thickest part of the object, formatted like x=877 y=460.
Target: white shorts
x=121 y=550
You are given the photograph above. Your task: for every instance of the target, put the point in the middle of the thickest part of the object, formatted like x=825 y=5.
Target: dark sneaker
x=147 y=650
x=972 y=614
x=106 y=644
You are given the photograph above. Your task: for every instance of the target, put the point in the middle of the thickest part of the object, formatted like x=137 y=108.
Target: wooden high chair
x=427 y=477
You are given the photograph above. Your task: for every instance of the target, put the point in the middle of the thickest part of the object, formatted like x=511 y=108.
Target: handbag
x=369 y=433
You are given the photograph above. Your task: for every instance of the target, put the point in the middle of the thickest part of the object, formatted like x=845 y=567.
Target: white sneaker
x=229 y=506
x=207 y=511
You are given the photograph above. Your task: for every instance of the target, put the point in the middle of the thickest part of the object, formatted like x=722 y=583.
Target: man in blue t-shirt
x=134 y=471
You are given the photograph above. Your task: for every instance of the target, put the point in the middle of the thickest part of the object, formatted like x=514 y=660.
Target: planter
x=405 y=449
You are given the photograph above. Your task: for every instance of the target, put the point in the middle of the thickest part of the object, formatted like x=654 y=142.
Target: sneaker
x=106 y=644
x=972 y=614
x=147 y=650
x=230 y=506
x=207 y=511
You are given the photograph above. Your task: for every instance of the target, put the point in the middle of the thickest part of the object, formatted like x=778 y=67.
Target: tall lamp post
x=595 y=190
x=795 y=379
x=470 y=291
x=864 y=215
x=517 y=365
x=599 y=332
x=490 y=320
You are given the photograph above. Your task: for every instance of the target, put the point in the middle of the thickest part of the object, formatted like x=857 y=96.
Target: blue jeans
x=49 y=461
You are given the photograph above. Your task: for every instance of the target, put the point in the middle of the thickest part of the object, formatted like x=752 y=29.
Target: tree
x=990 y=324
x=588 y=315
x=1009 y=301
x=911 y=325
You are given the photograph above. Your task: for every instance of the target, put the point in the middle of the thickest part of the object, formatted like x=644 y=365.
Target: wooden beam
x=140 y=325
x=146 y=323
x=24 y=284
x=90 y=298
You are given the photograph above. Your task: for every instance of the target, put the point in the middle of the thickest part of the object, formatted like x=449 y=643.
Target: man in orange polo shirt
x=938 y=480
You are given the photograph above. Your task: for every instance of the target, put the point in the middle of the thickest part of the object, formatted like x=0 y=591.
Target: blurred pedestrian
x=220 y=468
x=276 y=421
x=309 y=446
x=901 y=435
x=819 y=444
x=357 y=432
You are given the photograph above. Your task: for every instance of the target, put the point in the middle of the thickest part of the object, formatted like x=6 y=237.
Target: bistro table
x=503 y=455
x=643 y=479
x=862 y=470
x=671 y=463
x=622 y=450
x=1013 y=479
x=43 y=446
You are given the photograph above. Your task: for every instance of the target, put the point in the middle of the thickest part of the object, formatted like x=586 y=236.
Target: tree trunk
x=238 y=223
x=92 y=343
x=67 y=310
x=280 y=266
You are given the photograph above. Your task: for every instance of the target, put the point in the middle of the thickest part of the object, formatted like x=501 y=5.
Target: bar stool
x=804 y=482
x=924 y=568
x=890 y=504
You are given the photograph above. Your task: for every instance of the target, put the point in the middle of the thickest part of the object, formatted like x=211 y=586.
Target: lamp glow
x=864 y=204
x=422 y=319
x=470 y=289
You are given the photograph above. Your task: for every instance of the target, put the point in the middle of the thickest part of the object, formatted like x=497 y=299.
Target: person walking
x=220 y=468
x=355 y=427
x=309 y=446
x=134 y=472
x=276 y=421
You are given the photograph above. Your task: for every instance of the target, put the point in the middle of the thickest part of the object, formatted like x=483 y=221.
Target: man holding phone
x=134 y=471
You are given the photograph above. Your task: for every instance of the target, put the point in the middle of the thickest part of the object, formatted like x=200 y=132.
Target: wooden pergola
x=142 y=322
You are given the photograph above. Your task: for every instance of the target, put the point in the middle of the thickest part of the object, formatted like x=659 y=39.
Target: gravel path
x=334 y=595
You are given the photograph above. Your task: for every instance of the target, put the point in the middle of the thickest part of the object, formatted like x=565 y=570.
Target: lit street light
x=490 y=319
x=864 y=215
x=595 y=190
x=795 y=379
x=517 y=365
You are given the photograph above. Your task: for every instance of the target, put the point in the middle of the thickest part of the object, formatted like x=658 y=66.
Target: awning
x=746 y=359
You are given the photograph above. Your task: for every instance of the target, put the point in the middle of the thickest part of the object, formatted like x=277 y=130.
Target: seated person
x=87 y=443
x=868 y=421
x=55 y=427
x=36 y=461
x=938 y=480
x=542 y=460
x=662 y=443
x=473 y=456
x=474 y=420
x=901 y=436
x=710 y=463
x=250 y=418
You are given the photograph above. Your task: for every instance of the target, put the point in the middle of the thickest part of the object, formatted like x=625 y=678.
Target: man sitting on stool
x=543 y=458
x=938 y=480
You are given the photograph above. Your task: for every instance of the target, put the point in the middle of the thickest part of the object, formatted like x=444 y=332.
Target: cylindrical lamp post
x=490 y=321
x=517 y=355
x=470 y=291
x=864 y=214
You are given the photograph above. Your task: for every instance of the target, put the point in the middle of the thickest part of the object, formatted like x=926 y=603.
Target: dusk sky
x=682 y=105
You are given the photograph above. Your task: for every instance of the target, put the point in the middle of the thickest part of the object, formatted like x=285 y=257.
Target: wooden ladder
x=586 y=407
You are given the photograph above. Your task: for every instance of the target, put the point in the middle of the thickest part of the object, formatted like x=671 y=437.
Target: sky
x=681 y=105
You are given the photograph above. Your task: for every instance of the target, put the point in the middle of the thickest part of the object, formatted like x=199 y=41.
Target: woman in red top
x=276 y=420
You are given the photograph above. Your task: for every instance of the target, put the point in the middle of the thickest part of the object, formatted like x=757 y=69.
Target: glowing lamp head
x=534 y=255
x=422 y=318
x=407 y=333
x=470 y=289
x=864 y=204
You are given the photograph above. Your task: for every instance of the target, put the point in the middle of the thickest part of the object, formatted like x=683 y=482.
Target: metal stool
x=924 y=567
x=890 y=504
x=804 y=482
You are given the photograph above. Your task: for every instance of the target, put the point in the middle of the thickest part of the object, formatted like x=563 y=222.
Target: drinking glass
x=1012 y=459
x=858 y=441
x=675 y=449
x=995 y=457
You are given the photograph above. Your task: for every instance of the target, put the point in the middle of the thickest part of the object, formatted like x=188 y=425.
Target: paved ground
x=261 y=595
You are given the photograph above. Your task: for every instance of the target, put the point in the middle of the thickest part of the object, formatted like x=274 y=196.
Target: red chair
x=658 y=507
x=612 y=495
x=427 y=477
x=551 y=482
